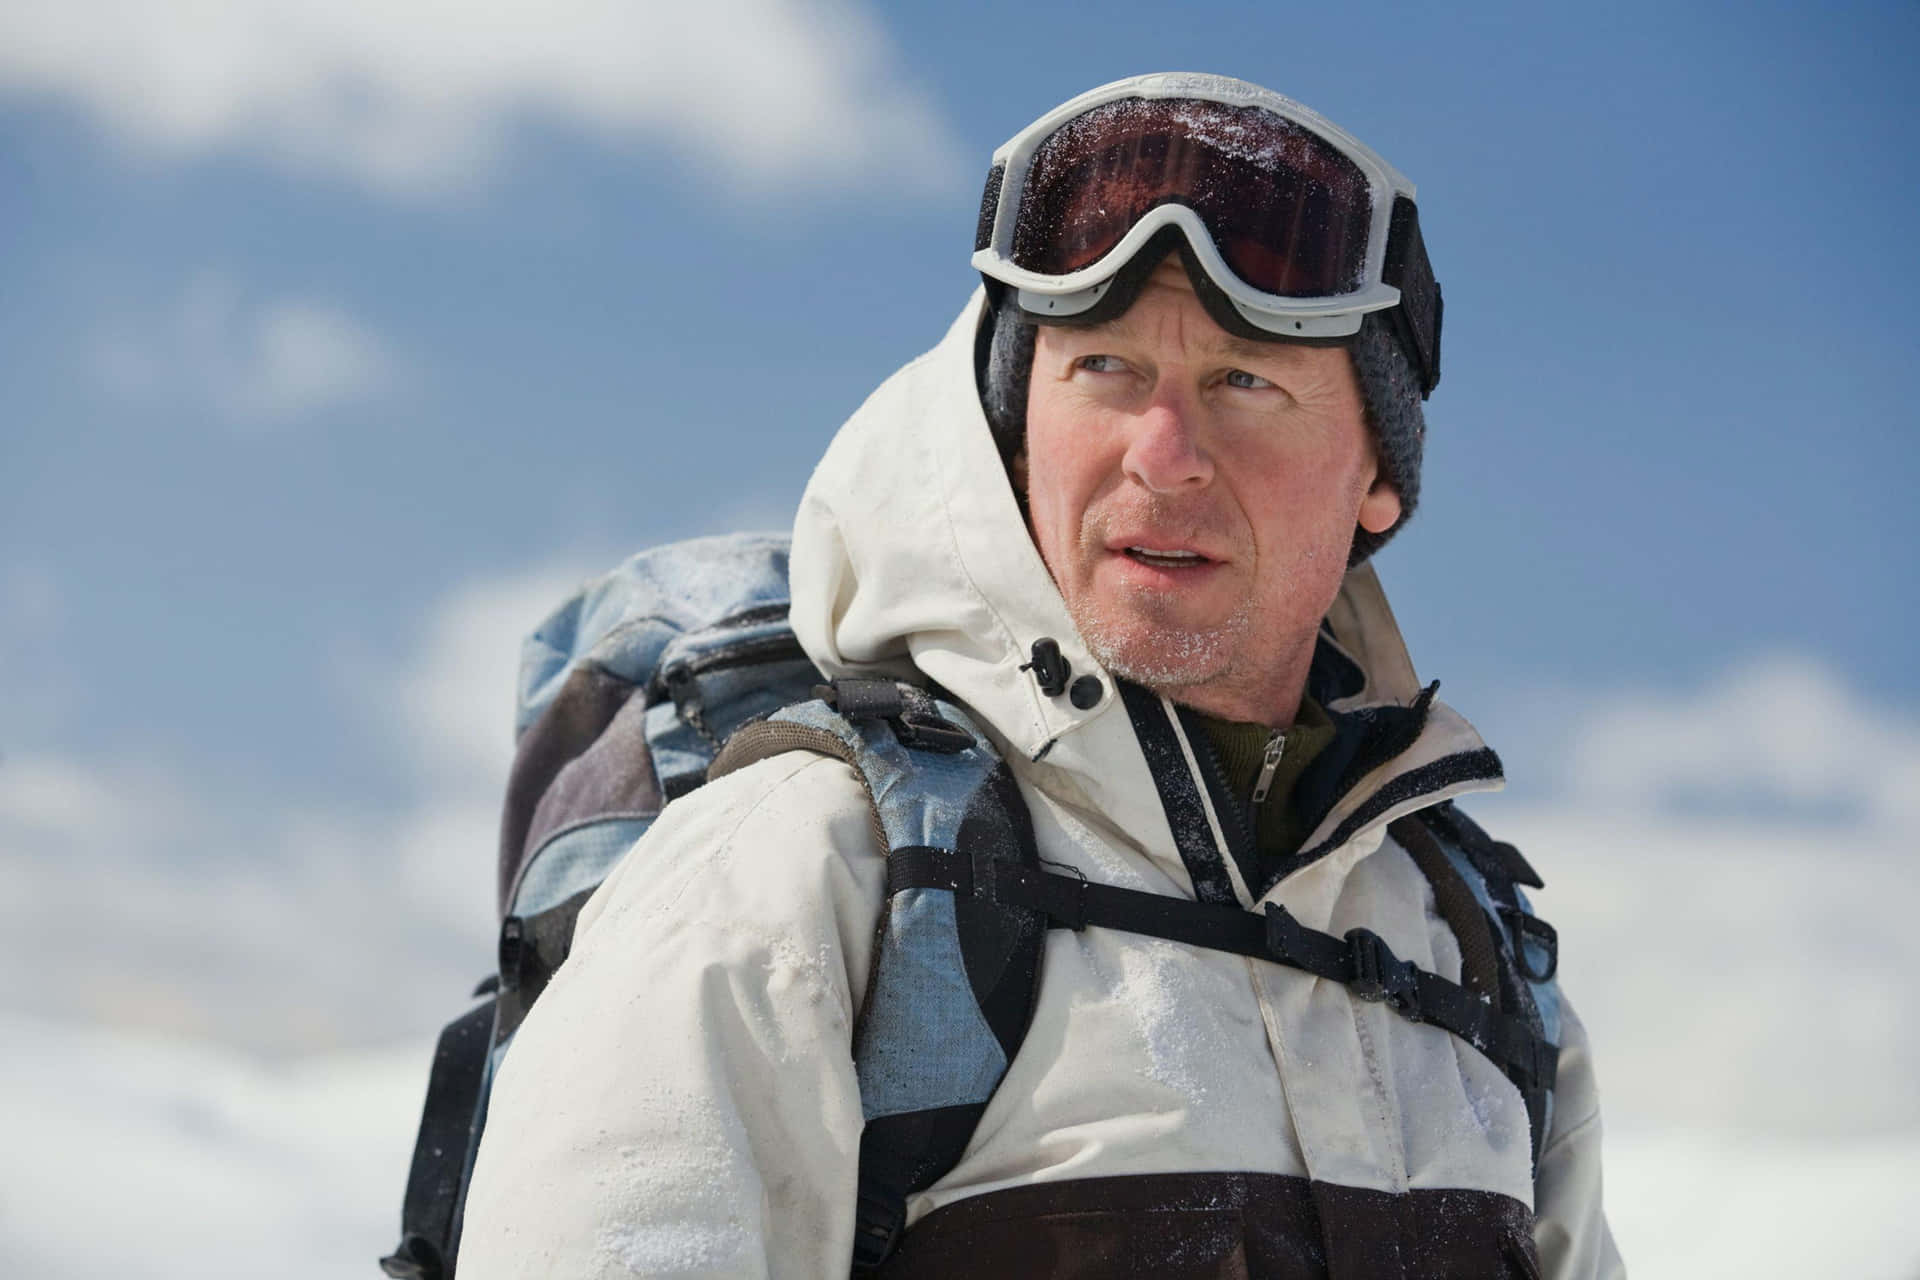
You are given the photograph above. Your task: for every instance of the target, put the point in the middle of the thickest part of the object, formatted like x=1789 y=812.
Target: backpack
x=680 y=665
x=627 y=693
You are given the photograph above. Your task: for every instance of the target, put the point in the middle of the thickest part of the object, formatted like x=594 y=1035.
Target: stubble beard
x=1136 y=636
x=1163 y=656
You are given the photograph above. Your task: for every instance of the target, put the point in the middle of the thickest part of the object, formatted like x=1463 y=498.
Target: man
x=1120 y=514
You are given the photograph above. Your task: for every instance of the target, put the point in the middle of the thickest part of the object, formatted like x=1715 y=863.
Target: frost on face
x=1289 y=211
x=1137 y=644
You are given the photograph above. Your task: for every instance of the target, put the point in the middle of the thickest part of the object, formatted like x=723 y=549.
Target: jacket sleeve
x=1570 y=1224
x=682 y=1100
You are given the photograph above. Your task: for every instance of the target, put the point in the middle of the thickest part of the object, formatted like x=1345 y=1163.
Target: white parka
x=682 y=1098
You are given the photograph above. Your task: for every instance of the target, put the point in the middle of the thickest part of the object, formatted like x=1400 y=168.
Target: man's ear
x=1380 y=509
x=1017 y=473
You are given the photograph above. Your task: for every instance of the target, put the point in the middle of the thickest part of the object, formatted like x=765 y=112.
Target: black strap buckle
x=1379 y=975
x=932 y=733
x=863 y=698
x=909 y=711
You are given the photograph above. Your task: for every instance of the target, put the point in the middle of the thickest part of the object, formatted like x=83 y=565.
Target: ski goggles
x=1293 y=228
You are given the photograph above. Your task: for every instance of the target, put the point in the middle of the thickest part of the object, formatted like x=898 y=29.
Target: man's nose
x=1164 y=453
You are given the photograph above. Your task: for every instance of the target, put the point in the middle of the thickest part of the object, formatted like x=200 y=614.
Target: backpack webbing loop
x=1524 y=927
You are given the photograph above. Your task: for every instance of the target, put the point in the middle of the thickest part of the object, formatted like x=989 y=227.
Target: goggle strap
x=1416 y=321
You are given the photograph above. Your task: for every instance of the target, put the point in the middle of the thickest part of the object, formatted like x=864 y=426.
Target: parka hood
x=910 y=555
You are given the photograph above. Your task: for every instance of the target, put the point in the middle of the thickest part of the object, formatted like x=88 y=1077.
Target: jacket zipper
x=1269 y=765
x=1234 y=822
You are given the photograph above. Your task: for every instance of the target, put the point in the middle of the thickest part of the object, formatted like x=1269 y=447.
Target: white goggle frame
x=1078 y=291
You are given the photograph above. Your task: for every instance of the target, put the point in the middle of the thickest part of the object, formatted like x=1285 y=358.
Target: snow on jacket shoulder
x=682 y=1099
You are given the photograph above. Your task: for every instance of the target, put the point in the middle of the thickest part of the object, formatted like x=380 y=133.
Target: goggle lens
x=1288 y=211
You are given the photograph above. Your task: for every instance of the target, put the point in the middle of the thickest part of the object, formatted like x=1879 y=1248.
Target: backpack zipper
x=760 y=649
x=680 y=681
x=771 y=648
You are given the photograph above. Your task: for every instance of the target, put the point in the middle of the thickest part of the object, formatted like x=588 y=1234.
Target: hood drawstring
x=1049 y=667
x=1051 y=670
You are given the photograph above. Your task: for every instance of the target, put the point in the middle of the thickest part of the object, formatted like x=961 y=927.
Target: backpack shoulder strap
x=1453 y=896
x=954 y=975
x=1476 y=881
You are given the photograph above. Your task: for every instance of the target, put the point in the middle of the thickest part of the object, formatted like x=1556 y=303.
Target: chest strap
x=1361 y=961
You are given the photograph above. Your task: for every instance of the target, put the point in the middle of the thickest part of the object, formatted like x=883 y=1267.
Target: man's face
x=1195 y=494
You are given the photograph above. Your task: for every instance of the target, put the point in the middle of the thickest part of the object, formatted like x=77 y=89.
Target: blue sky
x=338 y=342
x=1673 y=431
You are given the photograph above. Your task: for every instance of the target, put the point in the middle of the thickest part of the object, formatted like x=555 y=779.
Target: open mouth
x=1167 y=559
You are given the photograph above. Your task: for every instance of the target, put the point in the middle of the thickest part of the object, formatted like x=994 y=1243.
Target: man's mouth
x=1166 y=559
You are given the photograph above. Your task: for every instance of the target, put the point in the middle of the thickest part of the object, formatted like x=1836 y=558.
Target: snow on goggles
x=1296 y=227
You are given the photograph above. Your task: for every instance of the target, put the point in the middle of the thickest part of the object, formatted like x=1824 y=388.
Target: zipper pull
x=1269 y=765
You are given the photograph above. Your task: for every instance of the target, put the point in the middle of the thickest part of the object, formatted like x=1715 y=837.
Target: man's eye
x=1101 y=364
x=1247 y=381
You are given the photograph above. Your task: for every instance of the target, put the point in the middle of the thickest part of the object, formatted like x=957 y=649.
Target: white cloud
x=1786 y=733
x=307 y=356
x=174 y=903
x=1736 y=975
x=179 y=906
x=423 y=97
x=253 y=362
x=1746 y=981
x=55 y=798
x=455 y=695
x=1691 y=1204
x=217 y=1164
x=214 y=1160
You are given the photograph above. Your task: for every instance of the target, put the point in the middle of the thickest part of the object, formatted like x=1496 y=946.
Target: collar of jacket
x=910 y=558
